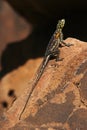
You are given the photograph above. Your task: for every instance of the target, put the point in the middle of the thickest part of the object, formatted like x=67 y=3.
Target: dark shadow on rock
x=17 y=53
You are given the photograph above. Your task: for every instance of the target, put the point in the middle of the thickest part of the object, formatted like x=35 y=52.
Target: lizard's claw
x=67 y=44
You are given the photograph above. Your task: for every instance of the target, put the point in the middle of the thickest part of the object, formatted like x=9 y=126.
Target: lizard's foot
x=67 y=44
x=59 y=59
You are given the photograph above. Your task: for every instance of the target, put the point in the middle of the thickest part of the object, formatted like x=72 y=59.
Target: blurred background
x=26 y=27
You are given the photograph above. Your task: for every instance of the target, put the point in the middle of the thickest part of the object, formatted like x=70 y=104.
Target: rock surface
x=59 y=100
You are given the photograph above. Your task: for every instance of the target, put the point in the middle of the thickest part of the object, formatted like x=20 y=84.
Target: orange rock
x=58 y=99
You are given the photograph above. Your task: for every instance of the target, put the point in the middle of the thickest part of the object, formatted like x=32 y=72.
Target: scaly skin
x=52 y=50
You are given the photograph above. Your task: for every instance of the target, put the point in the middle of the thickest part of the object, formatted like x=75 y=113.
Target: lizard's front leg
x=64 y=43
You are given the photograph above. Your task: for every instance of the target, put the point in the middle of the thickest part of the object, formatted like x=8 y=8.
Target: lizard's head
x=61 y=24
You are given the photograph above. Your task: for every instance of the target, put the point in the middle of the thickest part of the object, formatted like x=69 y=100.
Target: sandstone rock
x=59 y=100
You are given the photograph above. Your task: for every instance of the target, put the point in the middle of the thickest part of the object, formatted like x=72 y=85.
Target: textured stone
x=58 y=101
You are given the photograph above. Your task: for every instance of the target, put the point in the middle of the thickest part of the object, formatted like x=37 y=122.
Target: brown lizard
x=52 y=50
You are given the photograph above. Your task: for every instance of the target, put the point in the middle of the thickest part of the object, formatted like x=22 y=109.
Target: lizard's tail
x=36 y=79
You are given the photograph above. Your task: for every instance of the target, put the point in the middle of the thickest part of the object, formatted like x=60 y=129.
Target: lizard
x=51 y=50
